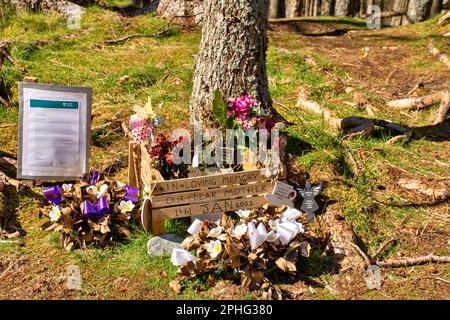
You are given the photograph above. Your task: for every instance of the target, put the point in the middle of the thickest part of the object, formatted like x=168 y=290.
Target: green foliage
x=220 y=108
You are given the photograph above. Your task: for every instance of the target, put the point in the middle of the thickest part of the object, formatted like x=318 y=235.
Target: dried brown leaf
x=175 y=286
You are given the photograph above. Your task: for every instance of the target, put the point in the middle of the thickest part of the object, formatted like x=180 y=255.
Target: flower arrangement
x=248 y=248
x=91 y=211
x=243 y=112
x=162 y=153
x=143 y=122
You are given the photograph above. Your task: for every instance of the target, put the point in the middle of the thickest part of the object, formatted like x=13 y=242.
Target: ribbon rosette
x=97 y=211
x=132 y=194
x=53 y=194
x=94 y=178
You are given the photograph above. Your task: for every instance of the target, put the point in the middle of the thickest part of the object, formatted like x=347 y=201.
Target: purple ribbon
x=132 y=194
x=95 y=176
x=97 y=211
x=53 y=194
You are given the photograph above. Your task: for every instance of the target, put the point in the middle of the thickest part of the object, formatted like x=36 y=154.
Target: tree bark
x=419 y=10
x=341 y=8
x=273 y=9
x=292 y=8
x=232 y=56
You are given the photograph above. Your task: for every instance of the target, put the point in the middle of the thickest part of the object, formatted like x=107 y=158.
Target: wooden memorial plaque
x=199 y=195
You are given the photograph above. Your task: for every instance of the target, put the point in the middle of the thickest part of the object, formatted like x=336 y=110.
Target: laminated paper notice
x=54 y=131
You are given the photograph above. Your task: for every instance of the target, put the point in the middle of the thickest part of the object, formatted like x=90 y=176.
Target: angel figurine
x=309 y=205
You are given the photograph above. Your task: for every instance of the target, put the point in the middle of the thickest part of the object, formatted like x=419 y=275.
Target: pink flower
x=242 y=105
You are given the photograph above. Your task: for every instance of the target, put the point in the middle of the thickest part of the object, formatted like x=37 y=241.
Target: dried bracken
x=246 y=249
x=82 y=223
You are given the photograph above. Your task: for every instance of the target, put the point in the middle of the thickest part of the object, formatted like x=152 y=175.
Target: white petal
x=181 y=257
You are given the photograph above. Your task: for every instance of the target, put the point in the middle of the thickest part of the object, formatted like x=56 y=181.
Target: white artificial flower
x=120 y=185
x=272 y=236
x=273 y=224
x=126 y=206
x=214 y=248
x=181 y=257
x=300 y=227
x=195 y=227
x=291 y=213
x=67 y=187
x=92 y=190
x=257 y=236
x=243 y=214
x=55 y=214
x=102 y=192
x=239 y=230
x=215 y=232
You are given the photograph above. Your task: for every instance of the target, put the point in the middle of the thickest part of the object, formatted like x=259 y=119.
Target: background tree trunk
x=292 y=8
x=419 y=10
x=232 y=56
x=273 y=9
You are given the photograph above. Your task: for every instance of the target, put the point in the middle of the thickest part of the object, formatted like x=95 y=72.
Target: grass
x=163 y=68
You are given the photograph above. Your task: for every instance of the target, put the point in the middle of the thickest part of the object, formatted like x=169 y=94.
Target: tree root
x=407 y=262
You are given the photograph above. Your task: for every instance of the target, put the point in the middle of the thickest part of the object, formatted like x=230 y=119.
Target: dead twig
x=409 y=261
x=360 y=252
x=156 y=34
x=113 y=122
x=382 y=247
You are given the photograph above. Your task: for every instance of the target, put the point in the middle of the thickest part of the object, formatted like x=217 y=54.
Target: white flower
x=214 y=248
x=273 y=224
x=67 y=187
x=291 y=213
x=102 y=192
x=239 y=230
x=55 y=214
x=181 y=257
x=243 y=214
x=257 y=236
x=195 y=227
x=215 y=232
x=92 y=190
x=300 y=227
x=126 y=206
x=120 y=185
x=272 y=236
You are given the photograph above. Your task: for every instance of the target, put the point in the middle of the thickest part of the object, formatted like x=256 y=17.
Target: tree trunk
x=232 y=56
x=292 y=8
x=327 y=8
x=273 y=9
x=436 y=7
x=419 y=10
x=341 y=8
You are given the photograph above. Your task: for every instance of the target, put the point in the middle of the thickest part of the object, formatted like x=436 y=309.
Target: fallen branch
x=438 y=190
x=416 y=102
x=113 y=122
x=350 y=125
x=156 y=34
x=443 y=108
x=442 y=56
x=406 y=262
x=382 y=247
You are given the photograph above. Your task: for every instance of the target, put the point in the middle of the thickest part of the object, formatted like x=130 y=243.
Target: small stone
x=163 y=245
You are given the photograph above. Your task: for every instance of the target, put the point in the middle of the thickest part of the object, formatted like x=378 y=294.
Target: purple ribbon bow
x=132 y=194
x=53 y=194
x=97 y=211
x=95 y=176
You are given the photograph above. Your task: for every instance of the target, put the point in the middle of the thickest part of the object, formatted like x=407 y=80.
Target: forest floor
x=330 y=59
